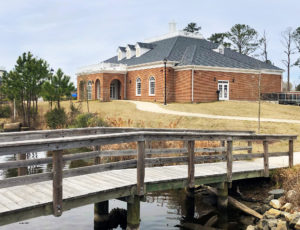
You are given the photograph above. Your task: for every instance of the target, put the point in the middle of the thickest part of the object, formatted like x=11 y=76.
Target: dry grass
x=289 y=179
x=240 y=108
x=125 y=114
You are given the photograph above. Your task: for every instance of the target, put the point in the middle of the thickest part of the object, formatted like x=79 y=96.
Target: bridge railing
x=141 y=157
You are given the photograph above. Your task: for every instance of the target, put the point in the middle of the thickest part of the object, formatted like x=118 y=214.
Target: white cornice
x=123 y=69
x=175 y=34
x=151 y=65
x=226 y=69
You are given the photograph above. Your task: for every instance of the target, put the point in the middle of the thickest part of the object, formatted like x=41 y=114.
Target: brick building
x=183 y=66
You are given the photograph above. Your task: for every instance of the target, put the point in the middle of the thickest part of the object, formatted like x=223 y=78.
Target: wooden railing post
x=229 y=160
x=22 y=171
x=57 y=161
x=250 y=145
x=291 y=153
x=97 y=159
x=223 y=146
x=266 y=158
x=140 y=167
x=191 y=164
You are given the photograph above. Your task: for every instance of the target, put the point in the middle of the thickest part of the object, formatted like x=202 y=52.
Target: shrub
x=88 y=120
x=56 y=118
x=5 y=111
x=74 y=112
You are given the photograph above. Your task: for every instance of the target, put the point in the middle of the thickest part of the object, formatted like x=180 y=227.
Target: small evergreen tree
x=24 y=85
x=57 y=87
x=192 y=28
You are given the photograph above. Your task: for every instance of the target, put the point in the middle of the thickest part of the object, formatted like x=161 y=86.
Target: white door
x=223 y=87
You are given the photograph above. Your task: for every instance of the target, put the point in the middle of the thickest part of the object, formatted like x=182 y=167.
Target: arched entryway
x=115 y=90
x=97 y=88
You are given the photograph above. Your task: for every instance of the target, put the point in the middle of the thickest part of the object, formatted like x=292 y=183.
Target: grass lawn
x=240 y=108
x=125 y=114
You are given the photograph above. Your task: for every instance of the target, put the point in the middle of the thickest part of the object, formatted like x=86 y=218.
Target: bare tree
x=289 y=50
x=264 y=48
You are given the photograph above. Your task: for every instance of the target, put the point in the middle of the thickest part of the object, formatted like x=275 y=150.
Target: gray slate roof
x=193 y=51
x=145 y=45
x=132 y=47
x=123 y=49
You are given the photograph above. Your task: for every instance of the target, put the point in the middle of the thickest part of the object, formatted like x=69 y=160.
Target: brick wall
x=242 y=86
x=144 y=75
x=105 y=81
x=183 y=86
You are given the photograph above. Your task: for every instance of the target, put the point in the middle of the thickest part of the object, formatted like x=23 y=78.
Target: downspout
x=125 y=85
x=193 y=84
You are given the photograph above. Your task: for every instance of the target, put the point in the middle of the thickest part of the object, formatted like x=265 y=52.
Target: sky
x=69 y=34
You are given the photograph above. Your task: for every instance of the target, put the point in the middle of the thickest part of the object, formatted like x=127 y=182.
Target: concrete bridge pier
x=101 y=215
x=133 y=213
x=222 y=203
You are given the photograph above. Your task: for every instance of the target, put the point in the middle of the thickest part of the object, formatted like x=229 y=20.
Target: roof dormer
x=130 y=51
x=121 y=53
x=142 y=48
x=220 y=49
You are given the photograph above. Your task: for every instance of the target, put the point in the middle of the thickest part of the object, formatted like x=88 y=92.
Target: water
x=153 y=216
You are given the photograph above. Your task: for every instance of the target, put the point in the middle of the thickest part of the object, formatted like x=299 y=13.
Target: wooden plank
x=208 y=158
x=57 y=182
x=42 y=134
x=165 y=160
x=140 y=167
x=191 y=164
x=23 y=180
x=104 y=139
x=100 y=168
x=266 y=158
x=24 y=163
x=229 y=160
x=291 y=153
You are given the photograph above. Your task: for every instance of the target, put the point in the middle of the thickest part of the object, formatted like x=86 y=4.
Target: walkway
x=155 y=108
x=95 y=187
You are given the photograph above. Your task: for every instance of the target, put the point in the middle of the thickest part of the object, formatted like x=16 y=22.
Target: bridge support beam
x=189 y=204
x=133 y=214
x=101 y=216
x=222 y=202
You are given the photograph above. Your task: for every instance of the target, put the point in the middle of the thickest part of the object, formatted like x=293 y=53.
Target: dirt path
x=154 y=108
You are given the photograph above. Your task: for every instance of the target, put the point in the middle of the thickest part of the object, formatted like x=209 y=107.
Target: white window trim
x=136 y=88
x=228 y=88
x=150 y=94
x=89 y=90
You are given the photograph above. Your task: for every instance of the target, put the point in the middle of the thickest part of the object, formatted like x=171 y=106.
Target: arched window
x=138 y=87
x=89 y=90
x=151 y=86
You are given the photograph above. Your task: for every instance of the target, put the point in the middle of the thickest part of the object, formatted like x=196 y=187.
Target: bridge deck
x=93 y=187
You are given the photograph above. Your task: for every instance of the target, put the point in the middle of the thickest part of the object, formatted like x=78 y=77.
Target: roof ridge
x=189 y=54
x=171 y=49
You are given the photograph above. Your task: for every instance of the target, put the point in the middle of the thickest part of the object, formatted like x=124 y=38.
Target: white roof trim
x=175 y=34
x=227 y=69
x=102 y=68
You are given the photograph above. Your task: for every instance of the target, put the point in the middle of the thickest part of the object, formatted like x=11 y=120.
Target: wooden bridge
x=138 y=170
